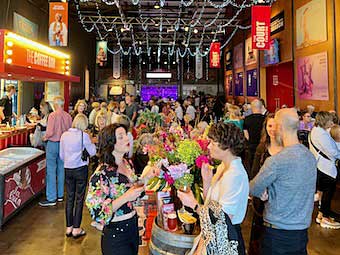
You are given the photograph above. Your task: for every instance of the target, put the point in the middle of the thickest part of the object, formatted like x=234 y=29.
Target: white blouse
x=232 y=190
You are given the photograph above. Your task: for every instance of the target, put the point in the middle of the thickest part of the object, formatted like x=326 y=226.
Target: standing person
x=131 y=109
x=306 y=123
x=252 y=128
x=326 y=152
x=235 y=116
x=6 y=110
x=95 y=110
x=72 y=144
x=112 y=191
x=46 y=110
x=59 y=121
x=122 y=107
x=268 y=147
x=179 y=111
x=226 y=193
x=265 y=112
x=206 y=114
x=287 y=181
x=154 y=107
x=80 y=107
x=191 y=111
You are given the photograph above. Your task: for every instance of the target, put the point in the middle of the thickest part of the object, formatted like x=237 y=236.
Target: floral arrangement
x=188 y=151
x=149 y=121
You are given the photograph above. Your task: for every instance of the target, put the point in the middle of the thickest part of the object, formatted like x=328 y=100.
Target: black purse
x=84 y=153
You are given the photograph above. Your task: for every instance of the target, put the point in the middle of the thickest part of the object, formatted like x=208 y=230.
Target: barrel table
x=169 y=243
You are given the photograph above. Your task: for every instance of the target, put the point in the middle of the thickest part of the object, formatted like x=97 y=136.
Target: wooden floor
x=40 y=231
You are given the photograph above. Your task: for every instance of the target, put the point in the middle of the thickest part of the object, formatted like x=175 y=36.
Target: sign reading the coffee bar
x=277 y=23
x=260 y=30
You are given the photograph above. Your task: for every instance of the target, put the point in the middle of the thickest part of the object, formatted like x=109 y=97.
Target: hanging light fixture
x=195 y=31
x=157 y=6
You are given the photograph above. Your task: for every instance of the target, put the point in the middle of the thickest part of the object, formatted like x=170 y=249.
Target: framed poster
x=313 y=77
x=228 y=60
x=238 y=56
x=252 y=89
x=239 y=84
x=229 y=85
x=25 y=27
x=250 y=53
x=101 y=53
x=311 y=24
x=53 y=89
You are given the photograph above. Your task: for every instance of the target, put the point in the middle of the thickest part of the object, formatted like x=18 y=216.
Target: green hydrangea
x=188 y=151
x=186 y=180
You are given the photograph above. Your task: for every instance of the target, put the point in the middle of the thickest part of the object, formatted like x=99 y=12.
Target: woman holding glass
x=226 y=194
x=112 y=189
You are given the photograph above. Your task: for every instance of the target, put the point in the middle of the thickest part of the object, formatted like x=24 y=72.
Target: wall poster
x=311 y=24
x=250 y=53
x=239 y=84
x=58 y=24
x=313 y=77
x=229 y=85
x=252 y=89
x=238 y=56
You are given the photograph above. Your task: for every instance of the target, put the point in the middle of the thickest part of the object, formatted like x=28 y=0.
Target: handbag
x=36 y=137
x=84 y=153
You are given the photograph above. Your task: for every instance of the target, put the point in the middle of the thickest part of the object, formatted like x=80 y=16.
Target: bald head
x=288 y=119
x=256 y=106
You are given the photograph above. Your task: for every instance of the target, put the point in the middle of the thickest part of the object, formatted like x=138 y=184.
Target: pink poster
x=313 y=77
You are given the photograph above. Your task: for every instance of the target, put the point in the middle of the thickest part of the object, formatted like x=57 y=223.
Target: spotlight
x=9 y=61
x=174 y=63
x=165 y=63
x=186 y=29
x=195 y=31
x=9 y=43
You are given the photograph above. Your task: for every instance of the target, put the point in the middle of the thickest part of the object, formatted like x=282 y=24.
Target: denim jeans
x=76 y=181
x=55 y=175
x=284 y=242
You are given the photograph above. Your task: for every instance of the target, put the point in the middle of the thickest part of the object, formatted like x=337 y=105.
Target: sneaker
x=319 y=218
x=60 y=199
x=47 y=203
x=329 y=223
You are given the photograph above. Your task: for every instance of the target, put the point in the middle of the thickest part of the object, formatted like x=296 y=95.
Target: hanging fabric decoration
x=260 y=27
x=116 y=66
x=215 y=55
x=130 y=68
x=188 y=70
x=198 y=67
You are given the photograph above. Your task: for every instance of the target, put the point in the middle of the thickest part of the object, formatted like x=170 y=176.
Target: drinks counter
x=22 y=177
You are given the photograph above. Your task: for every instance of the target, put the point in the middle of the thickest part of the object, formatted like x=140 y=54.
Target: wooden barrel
x=169 y=243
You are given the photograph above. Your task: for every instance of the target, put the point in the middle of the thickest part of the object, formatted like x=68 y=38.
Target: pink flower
x=169 y=179
x=200 y=160
x=203 y=144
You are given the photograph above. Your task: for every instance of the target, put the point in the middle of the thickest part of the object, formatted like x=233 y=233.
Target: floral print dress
x=106 y=185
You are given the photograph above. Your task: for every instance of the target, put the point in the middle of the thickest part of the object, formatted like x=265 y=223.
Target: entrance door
x=280 y=89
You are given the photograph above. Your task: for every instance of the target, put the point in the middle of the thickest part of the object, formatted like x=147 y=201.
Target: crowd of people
x=255 y=149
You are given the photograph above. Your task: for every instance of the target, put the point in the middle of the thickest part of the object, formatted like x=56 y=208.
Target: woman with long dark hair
x=112 y=189
x=268 y=147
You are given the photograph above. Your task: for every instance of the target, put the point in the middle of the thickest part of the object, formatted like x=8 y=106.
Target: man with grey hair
x=287 y=181
x=58 y=122
x=252 y=131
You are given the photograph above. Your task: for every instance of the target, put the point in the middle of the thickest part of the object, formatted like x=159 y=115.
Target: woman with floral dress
x=111 y=192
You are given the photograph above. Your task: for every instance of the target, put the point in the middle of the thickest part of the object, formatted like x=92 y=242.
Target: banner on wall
x=228 y=60
x=198 y=67
x=25 y=27
x=252 y=90
x=260 y=27
x=101 y=53
x=116 y=66
x=58 y=24
x=313 y=77
x=215 y=55
x=239 y=84
x=229 y=84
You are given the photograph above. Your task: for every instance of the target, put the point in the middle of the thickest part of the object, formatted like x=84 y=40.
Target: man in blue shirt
x=288 y=181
